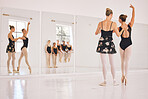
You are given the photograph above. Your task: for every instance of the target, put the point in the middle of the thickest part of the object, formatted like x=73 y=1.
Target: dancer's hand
x=131 y=6
x=125 y=27
x=28 y=23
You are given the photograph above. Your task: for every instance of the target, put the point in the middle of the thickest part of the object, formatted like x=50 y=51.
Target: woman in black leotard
x=54 y=54
x=125 y=44
x=11 y=49
x=106 y=45
x=69 y=47
x=64 y=50
x=59 y=51
x=48 y=53
x=24 y=48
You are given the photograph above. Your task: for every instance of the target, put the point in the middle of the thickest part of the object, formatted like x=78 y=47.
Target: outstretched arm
x=133 y=16
x=98 y=29
x=115 y=29
x=13 y=39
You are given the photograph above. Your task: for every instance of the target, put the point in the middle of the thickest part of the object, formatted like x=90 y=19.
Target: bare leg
x=65 y=56
x=19 y=62
x=24 y=50
x=55 y=60
x=60 y=56
x=8 y=61
x=103 y=60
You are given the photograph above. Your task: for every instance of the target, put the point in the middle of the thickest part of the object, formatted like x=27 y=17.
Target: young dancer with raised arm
x=24 y=48
x=126 y=43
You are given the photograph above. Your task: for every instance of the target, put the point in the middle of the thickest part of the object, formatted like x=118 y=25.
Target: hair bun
x=107 y=9
x=9 y=25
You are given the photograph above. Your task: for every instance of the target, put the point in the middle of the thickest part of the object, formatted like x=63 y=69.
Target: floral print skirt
x=106 y=46
x=10 y=48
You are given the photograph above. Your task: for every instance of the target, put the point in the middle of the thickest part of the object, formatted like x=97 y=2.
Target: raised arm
x=98 y=29
x=115 y=29
x=133 y=16
x=28 y=27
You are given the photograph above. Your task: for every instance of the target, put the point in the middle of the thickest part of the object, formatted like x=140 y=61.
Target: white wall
x=86 y=44
x=49 y=33
x=34 y=36
x=94 y=8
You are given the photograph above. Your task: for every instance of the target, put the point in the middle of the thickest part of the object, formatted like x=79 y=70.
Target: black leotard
x=64 y=47
x=58 y=47
x=25 y=43
x=11 y=46
x=69 y=48
x=55 y=50
x=49 y=49
x=125 y=42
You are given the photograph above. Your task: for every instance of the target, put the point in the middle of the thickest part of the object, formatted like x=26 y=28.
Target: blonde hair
x=108 y=11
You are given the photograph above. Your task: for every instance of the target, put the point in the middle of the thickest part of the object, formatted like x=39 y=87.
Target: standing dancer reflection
x=24 y=48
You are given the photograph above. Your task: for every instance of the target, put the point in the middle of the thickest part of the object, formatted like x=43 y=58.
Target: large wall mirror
x=57 y=43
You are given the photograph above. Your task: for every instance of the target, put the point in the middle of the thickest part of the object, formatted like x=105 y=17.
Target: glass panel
x=20 y=26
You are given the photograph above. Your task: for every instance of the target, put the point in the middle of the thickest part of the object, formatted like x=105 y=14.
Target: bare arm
x=98 y=29
x=71 y=48
x=13 y=39
x=133 y=16
x=116 y=30
x=28 y=27
x=46 y=48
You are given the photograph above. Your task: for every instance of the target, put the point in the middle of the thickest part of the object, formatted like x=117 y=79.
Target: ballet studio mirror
x=19 y=19
x=57 y=29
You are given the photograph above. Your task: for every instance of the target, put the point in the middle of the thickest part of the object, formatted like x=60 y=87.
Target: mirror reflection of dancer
x=11 y=49
x=126 y=44
x=54 y=54
x=24 y=48
x=106 y=45
x=64 y=47
x=48 y=53
x=59 y=51
x=69 y=47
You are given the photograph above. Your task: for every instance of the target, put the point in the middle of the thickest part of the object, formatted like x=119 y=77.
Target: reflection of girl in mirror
x=64 y=47
x=59 y=51
x=48 y=53
x=54 y=54
x=11 y=49
x=125 y=44
x=24 y=48
x=69 y=47
x=106 y=45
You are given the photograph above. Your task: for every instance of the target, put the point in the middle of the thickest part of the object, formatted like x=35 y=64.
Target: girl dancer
x=106 y=45
x=24 y=48
x=54 y=54
x=48 y=53
x=64 y=47
x=59 y=51
x=126 y=44
x=69 y=47
x=11 y=49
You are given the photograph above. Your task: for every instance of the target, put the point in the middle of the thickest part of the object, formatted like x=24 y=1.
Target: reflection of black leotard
x=25 y=43
x=64 y=47
x=69 y=48
x=55 y=50
x=58 y=47
x=125 y=42
x=49 y=49
x=11 y=46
